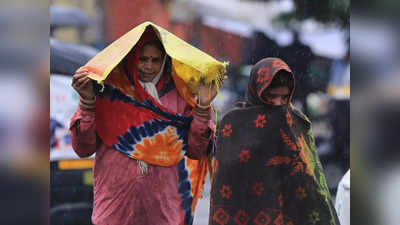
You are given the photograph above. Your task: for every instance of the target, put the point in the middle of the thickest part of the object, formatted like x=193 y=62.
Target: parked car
x=71 y=180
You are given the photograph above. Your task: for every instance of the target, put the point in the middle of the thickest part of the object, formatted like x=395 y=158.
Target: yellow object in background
x=87 y=178
x=75 y=164
x=190 y=63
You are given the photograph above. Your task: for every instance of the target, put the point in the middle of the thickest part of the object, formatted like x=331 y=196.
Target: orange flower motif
x=301 y=193
x=244 y=156
x=226 y=191
x=278 y=160
x=288 y=141
x=303 y=155
x=263 y=74
x=227 y=130
x=163 y=149
x=289 y=120
x=260 y=121
x=241 y=218
x=298 y=167
x=221 y=216
x=262 y=218
x=258 y=188
x=279 y=220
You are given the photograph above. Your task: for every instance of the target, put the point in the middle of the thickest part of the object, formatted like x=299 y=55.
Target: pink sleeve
x=83 y=134
x=200 y=134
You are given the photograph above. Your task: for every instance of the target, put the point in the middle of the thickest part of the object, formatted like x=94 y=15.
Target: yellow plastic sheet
x=190 y=63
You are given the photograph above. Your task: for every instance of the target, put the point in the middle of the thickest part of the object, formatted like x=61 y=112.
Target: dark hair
x=282 y=79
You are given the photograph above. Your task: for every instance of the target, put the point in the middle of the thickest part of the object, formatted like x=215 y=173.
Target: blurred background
x=375 y=112
x=312 y=38
x=24 y=112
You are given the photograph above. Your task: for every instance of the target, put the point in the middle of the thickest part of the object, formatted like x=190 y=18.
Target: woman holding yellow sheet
x=150 y=135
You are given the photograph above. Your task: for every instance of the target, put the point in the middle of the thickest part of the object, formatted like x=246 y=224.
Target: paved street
x=203 y=206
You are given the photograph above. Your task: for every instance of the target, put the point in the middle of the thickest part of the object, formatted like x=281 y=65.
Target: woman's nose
x=148 y=65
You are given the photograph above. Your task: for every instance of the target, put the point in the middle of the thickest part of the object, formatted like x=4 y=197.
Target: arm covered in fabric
x=83 y=134
x=200 y=134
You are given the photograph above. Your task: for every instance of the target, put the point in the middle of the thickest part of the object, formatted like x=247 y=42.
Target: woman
x=149 y=141
x=266 y=169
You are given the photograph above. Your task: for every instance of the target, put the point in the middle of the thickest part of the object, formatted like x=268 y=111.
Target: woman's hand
x=207 y=93
x=83 y=84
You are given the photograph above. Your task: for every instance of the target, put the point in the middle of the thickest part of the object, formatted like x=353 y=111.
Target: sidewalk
x=203 y=205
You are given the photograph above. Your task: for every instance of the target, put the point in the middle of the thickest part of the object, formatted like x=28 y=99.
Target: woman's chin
x=146 y=78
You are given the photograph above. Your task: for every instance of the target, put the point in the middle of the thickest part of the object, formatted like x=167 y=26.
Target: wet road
x=203 y=206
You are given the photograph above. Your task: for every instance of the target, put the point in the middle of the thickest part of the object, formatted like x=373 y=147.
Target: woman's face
x=276 y=96
x=150 y=63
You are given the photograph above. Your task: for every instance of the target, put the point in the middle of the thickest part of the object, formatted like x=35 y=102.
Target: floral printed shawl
x=266 y=168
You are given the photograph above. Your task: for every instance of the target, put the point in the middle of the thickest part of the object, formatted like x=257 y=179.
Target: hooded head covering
x=266 y=168
x=261 y=76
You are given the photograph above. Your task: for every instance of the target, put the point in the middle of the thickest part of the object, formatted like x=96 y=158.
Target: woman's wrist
x=203 y=107
x=202 y=111
x=88 y=98
x=88 y=103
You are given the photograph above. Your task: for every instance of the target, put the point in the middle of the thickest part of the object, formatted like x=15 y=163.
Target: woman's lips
x=147 y=74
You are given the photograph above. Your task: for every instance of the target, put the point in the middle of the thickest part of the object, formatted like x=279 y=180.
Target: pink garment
x=122 y=195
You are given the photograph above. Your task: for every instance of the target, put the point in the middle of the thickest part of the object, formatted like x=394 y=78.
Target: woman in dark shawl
x=266 y=168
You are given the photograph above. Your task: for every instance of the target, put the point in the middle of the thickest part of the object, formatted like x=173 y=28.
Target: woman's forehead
x=151 y=50
x=278 y=90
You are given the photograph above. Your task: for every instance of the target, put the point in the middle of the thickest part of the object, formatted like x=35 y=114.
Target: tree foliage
x=327 y=11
